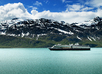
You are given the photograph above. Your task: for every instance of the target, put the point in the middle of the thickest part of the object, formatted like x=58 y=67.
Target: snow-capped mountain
x=91 y=30
x=90 y=22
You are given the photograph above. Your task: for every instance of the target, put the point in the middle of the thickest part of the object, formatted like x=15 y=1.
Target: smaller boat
x=69 y=47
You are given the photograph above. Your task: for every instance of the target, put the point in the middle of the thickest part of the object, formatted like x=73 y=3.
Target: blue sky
x=60 y=10
x=41 y=5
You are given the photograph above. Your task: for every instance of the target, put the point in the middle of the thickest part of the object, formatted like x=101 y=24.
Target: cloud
x=37 y=3
x=46 y=1
x=63 y=1
x=68 y=1
x=68 y=17
x=86 y=8
x=33 y=8
x=9 y=11
x=74 y=7
x=34 y=12
x=77 y=8
x=94 y=3
x=97 y=3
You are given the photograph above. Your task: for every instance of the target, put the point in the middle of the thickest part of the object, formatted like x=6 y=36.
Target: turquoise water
x=44 y=61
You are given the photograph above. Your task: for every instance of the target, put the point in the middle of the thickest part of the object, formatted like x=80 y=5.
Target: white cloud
x=33 y=8
x=69 y=17
x=74 y=7
x=86 y=8
x=97 y=3
x=10 y=11
x=37 y=3
x=68 y=1
x=94 y=3
x=99 y=12
x=34 y=12
x=63 y=1
x=77 y=8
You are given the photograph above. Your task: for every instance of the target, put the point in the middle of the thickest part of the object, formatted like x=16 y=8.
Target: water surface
x=44 y=61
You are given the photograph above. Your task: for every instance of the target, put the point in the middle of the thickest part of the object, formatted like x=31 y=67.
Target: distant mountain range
x=60 y=32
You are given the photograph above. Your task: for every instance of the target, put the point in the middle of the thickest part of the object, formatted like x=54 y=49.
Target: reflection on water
x=44 y=61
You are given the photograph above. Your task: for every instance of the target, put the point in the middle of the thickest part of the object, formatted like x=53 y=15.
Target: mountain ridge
x=90 y=31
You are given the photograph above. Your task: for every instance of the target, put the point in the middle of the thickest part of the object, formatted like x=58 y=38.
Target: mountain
x=85 y=33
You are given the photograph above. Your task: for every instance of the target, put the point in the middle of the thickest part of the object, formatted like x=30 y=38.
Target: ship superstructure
x=69 y=47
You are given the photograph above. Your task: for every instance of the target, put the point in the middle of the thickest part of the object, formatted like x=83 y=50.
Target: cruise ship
x=69 y=47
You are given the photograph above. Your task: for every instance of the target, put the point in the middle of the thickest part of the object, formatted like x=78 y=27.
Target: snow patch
x=79 y=38
x=27 y=33
x=11 y=34
x=98 y=37
x=88 y=23
x=65 y=32
x=23 y=35
x=89 y=38
x=39 y=36
x=93 y=38
x=2 y=33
